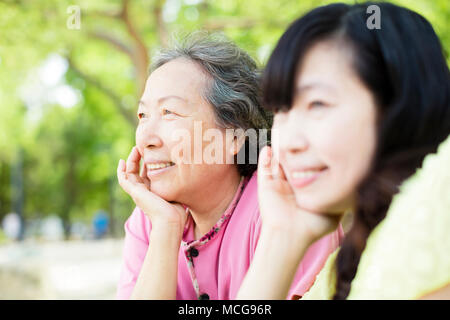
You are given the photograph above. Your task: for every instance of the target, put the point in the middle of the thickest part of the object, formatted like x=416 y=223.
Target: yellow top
x=408 y=254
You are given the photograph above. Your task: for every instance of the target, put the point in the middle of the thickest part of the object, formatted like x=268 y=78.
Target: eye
x=141 y=115
x=167 y=112
x=317 y=104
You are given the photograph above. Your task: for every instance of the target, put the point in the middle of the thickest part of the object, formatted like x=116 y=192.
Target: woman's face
x=172 y=103
x=327 y=139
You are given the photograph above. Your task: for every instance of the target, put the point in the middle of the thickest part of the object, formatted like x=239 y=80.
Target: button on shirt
x=214 y=266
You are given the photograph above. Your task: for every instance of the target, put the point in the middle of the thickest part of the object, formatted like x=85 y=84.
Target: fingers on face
x=276 y=168
x=121 y=173
x=144 y=178
x=143 y=172
x=265 y=163
x=133 y=161
x=269 y=166
x=280 y=172
x=126 y=177
x=121 y=168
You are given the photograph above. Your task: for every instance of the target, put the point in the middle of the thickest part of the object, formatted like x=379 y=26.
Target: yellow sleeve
x=324 y=285
x=408 y=253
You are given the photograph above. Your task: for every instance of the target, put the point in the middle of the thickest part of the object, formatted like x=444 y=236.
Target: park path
x=60 y=269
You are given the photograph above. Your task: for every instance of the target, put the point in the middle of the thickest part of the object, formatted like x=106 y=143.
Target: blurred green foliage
x=3 y=238
x=69 y=154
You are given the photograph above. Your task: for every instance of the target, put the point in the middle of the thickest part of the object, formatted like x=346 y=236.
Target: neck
x=214 y=200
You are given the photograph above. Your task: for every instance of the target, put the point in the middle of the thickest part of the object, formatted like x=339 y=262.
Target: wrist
x=166 y=232
x=287 y=235
x=279 y=250
x=274 y=265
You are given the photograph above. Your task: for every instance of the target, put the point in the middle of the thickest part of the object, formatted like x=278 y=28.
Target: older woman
x=196 y=224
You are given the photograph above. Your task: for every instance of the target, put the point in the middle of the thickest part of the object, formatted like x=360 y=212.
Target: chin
x=320 y=204
x=166 y=192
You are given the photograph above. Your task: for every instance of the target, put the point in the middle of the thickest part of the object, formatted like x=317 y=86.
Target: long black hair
x=404 y=67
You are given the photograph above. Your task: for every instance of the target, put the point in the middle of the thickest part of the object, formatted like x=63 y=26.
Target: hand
x=137 y=185
x=279 y=208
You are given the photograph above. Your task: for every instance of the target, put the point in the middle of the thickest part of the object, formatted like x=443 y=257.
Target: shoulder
x=250 y=192
x=245 y=222
x=412 y=237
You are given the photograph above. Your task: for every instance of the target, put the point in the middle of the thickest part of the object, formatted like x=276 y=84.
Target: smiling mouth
x=158 y=166
x=305 y=174
x=300 y=179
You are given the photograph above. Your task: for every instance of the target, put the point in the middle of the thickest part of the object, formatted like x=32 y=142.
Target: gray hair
x=234 y=91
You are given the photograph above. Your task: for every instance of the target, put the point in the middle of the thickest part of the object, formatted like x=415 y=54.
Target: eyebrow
x=141 y=102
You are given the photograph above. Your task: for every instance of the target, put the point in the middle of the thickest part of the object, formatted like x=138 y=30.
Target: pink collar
x=215 y=229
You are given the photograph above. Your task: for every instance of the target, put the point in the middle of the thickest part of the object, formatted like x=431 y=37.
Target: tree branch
x=160 y=24
x=141 y=58
x=113 y=41
x=102 y=13
x=138 y=52
x=120 y=106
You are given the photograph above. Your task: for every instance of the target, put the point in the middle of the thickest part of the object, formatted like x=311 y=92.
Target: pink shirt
x=214 y=266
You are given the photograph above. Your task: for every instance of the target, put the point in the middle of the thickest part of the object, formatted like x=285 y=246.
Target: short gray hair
x=235 y=91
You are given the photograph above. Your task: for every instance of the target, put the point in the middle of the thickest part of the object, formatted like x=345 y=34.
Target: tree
x=70 y=154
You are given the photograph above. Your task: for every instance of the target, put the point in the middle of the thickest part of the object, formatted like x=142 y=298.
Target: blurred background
x=71 y=73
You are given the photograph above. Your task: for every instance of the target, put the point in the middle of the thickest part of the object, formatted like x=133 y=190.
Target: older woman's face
x=327 y=139
x=172 y=102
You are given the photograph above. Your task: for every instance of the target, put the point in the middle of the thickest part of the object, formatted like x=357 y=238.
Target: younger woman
x=358 y=111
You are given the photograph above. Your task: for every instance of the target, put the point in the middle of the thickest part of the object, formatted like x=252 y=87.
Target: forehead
x=179 y=77
x=326 y=62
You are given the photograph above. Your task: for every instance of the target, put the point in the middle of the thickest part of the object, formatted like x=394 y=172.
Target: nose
x=147 y=136
x=292 y=136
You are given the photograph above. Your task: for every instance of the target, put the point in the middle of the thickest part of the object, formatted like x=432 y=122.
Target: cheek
x=177 y=133
x=329 y=141
x=348 y=148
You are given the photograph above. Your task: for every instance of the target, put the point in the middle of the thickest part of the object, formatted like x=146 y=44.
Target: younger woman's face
x=327 y=139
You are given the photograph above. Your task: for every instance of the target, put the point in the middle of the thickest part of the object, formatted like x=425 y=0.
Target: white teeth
x=154 y=166
x=303 y=174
